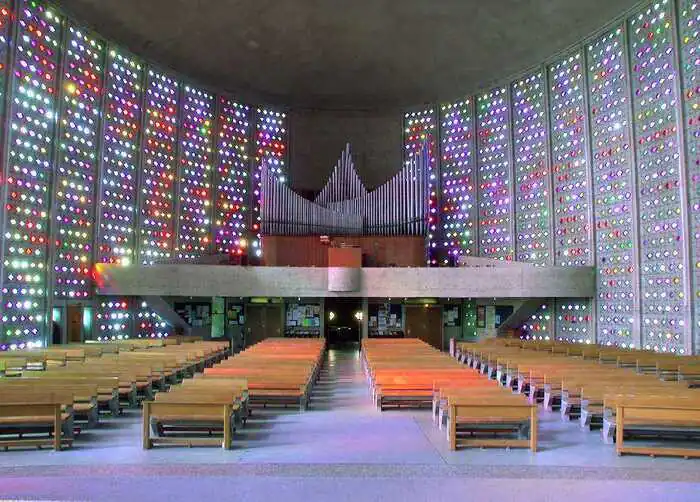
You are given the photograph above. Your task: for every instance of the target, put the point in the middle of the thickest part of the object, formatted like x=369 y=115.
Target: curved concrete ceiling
x=341 y=54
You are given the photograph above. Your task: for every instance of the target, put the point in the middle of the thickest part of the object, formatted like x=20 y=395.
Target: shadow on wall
x=320 y=136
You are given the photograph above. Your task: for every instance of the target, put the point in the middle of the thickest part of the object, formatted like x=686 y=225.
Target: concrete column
x=322 y=311
x=364 y=327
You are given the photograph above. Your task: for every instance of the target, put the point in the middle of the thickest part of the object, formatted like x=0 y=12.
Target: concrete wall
x=317 y=138
x=231 y=281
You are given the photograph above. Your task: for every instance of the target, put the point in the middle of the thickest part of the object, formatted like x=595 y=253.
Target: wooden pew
x=444 y=392
x=492 y=414
x=12 y=366
x=30 y=412
x=84 y=395
x=660 y=415
x=593 y=395
x=198 y=409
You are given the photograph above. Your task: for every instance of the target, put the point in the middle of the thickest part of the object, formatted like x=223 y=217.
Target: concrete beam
x=462 y=282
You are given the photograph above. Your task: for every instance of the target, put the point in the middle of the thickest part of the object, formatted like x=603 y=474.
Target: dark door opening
x=343 y=322
x=74 y=316
x=425 y=322
x=261 y=322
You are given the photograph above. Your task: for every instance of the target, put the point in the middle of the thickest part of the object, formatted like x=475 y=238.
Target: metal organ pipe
x=397 y=207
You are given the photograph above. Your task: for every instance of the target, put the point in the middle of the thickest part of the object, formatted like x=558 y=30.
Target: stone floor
x=343 y=449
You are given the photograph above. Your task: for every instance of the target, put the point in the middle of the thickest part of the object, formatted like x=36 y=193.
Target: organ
x=344 y=206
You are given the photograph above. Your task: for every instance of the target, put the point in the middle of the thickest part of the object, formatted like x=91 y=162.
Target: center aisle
x=341 y=425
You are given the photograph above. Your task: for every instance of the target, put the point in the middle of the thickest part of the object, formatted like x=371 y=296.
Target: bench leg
x=93 y=417
x=533 y=429
x=145 y=426
x=57 y=428
x=547 y=403
x=149 y=392
x=620 y=431
x=132 y=398
x=564 y=410
x=227 y=427
x=114 y=406
x=608 y=431
x=584 y=420
x=532 y=395
x=452 y=428
x=67 y=428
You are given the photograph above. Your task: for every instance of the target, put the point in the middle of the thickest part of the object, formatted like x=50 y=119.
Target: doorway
x=74 y=323
x=343 y=322
x=262 y=321
x=425 y=322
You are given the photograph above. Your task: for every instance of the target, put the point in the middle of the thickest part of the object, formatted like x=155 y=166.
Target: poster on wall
x=303 y=320
x=450 y=316
x=385 y=319
x=195 y=313
x=234 y=315
x=481 y=316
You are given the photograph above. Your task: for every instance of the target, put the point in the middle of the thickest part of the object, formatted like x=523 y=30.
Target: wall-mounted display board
x=385 y=319
x=481 y=316
x=450 y=316
x=303 y=320
x=196 y=313
x=234 y=315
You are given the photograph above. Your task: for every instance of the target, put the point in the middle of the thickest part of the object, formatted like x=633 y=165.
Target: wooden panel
x=345 y=257
x=261 y=322
x=74 y=316
x=425 y=323
x=292 y=251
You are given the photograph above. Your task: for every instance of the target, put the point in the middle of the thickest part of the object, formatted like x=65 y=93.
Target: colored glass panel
x=567 y=110
x=458 y=178
x=159 y=167
x=533 y=219
x=664 y=305
x=76 y=165
x=420 y=133
x=270 y=149
x=32 y=120
x=494 y=175
x=231 y=211
x=689 y=22
x=613 y=190
x=149 y=324
x=196 y=158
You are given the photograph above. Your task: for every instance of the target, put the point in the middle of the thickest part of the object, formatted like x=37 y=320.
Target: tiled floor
x=343 y=449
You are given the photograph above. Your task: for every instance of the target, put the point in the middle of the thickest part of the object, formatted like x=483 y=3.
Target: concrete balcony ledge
x=460 y=282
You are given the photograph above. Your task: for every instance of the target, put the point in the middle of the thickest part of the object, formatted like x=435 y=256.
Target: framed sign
x=481 y=316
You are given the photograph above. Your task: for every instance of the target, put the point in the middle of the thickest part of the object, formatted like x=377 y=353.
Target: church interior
x=354 y=251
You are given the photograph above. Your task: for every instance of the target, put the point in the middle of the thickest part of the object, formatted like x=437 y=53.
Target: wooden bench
x=593 y=394
x=26 y=414
x=83 y=395
x=190 y=410
x=471 y=418
x=659 y=415
x=446 y=392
